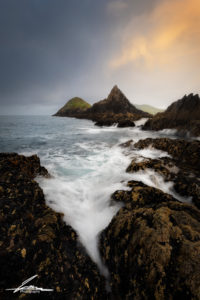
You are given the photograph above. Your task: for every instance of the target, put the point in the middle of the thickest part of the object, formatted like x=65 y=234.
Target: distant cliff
x=183 y=115
x=149 y=109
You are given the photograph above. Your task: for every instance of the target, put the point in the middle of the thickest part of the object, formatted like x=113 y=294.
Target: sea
x=87 y=164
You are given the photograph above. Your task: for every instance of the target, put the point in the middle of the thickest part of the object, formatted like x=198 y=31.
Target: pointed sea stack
x=116 y=103
x=116 y=109
x=183 y=115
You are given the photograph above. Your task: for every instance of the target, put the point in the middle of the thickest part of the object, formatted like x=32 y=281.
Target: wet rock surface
x=35 y=240
x=152 y=246
x=126 y=123
x=109 y=119
x=183 y=168
x=183 y=115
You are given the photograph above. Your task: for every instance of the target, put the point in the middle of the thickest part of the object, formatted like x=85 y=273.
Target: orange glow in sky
x=169 y=35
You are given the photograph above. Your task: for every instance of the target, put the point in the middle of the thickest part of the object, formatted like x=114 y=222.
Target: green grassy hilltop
x=148 y=108
x=74 y=104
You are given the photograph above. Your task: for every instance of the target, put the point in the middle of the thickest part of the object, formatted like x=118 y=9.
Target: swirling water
x=87 y=165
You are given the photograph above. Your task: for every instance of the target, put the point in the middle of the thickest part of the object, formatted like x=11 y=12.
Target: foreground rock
x=35 y=240
x=186 y=153
x=183 y=168
x=152 y=246
x=183 y=115
x=115 y=109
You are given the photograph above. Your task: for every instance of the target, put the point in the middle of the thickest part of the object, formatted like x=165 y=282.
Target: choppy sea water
x=87 y=165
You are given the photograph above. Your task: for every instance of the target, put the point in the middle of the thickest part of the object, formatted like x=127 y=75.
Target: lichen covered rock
x=152 y=246
x=35 y=240
x=183 y=168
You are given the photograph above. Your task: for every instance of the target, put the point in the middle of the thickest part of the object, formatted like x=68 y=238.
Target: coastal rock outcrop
x=183 y=115
x=152 y=246
x=183 y=168
x=73 y=108
x=115 y=103
x=186 y=153
x=115 y=109
x=35 y=240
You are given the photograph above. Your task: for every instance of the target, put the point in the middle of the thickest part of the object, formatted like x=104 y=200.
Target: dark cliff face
x=116 y=109
x=188 y=106
x=116 y=103
x=183 y=115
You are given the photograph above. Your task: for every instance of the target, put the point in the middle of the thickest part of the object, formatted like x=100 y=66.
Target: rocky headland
x=115 y=109
x=183 y=115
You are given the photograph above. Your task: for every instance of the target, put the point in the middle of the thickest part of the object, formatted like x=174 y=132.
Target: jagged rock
x=152 y=246
x=35 y=240
x=127 y=144
x=186 y=153
x=163 y=166
x=105 y=122
x=126 y=123
x=116 y=108
x=185 y=156
x=116 y=103
x=183 y=115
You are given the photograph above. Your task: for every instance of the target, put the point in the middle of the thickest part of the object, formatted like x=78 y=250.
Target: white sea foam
x=86 y=174
x=150 y=152
x=152 y=178
x=141 y=121
x=85 y=201
x=97 y=129
x=171 y=132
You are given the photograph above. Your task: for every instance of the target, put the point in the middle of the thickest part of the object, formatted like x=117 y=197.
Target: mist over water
x=87 y=165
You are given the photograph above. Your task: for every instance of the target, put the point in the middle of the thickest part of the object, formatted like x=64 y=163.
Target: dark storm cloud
x=42 y=41
x=52 y=48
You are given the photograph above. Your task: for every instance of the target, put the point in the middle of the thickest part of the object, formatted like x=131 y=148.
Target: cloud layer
x=54 y=50
x=171 y=32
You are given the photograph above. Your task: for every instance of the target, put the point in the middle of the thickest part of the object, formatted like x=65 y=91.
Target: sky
x=53 y=50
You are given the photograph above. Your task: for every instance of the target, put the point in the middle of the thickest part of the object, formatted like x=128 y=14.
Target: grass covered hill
x=149 y=109
x=74 y=105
